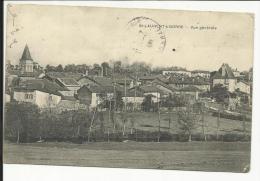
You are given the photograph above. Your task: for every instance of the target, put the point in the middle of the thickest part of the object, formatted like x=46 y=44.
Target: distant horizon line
x=150 y=64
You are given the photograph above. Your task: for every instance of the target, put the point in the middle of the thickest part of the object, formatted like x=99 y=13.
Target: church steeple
x=26 y=54
x=26 y=61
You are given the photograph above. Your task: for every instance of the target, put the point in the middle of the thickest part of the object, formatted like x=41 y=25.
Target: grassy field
x=149 y=122
x=206 y=156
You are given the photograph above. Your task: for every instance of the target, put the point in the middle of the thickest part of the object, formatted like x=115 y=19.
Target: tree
x=50 y=68
x=22 y=121
x=124 y=120
x=147 y=103
x=117 y=66
x=186 y=122
x=105 y=67
x=219 y=92
x=59 y=68
x=119 y=101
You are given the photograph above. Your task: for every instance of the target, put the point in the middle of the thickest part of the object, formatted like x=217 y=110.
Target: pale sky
x=65 y=35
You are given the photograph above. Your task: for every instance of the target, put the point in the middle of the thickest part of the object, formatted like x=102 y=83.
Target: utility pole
x=124 y=117
x=114 y=96
x=218 y=124
x=203 y=122
x=159 y=119
x=244 y=126
x=109 y=118
x=92 y=120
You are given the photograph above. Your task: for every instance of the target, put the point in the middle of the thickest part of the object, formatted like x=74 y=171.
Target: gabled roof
x=190 y=89
x=98 y=89
x=26 y=54
x=201 y=71
x=41 y=85
x=159 y=82
x=150 y=89
x=55 y=75
x=226 y=69
x=243 y=81
x=153 y=77
x=189 y=80
x=102 y=81
x=68 y=81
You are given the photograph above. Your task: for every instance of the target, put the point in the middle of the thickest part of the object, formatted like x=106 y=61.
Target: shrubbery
x=24 y=122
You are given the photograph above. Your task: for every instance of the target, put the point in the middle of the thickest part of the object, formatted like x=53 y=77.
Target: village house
x=236 y=73
x=225 y=77
x=7 y=98
x=94 y=95
x=190 y=93
x=177 y=71
x=133 y=99
x=183 y=81
x=150 y=78
x=200 y=73
x=151 y=90
x=69 y=83
x=243 y=86
x=243 y=90
x=165 y=88
x=40 y=92
x=95 y=81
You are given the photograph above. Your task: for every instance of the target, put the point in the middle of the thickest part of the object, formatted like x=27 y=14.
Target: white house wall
x=229 y=83
x=137 y=100
x=44 y=99
x=243 y=87
x=41 y=99
x=20 y=96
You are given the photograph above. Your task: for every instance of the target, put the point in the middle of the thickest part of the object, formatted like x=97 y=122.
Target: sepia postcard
x=128 y=88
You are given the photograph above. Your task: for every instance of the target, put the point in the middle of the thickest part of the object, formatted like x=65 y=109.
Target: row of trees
x=25 y=122
x=107 y=68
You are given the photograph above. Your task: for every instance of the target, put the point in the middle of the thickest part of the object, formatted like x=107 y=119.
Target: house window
x=28 y=96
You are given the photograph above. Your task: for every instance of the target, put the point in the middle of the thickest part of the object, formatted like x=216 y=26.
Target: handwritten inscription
x=176 y=26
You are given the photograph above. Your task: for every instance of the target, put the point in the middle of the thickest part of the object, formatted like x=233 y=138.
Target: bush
x=21 y=122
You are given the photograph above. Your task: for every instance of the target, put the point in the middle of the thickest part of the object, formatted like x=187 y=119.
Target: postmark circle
x=146 y=35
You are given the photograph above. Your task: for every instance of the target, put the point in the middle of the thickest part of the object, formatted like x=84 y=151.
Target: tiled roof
x=102 y=81
x=200 y=71
x=41 y=85
x=228 y=73
x=149 y=88
x=99 y=89
x=153 y=77
x=189 y=89
x=158 y=82
x=189 y=80
x=68 y=81
x=243 y=81
x=55 y=75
